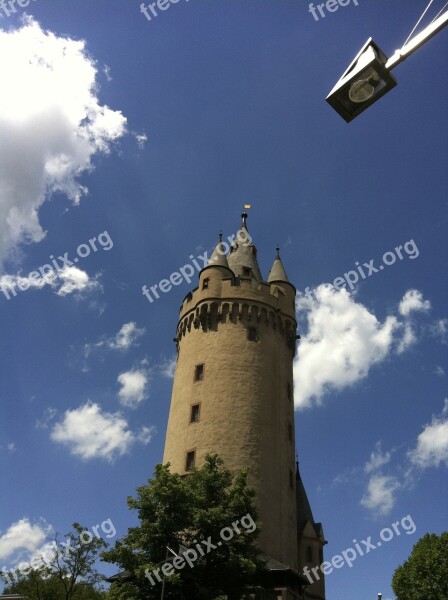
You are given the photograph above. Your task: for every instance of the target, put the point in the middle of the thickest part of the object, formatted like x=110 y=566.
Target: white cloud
x=126 y=337
x=145 y=434
x=413 y=301
x=380 y=495
x=168 y=367
x=91 y=433
x=134 y=385
x=377 y=459
x=141 y=140
x=67 y=280
x=349 y=475
x=51 y=126
x=440 y=329
x=22 y=536
x=47 y=417
x=439 y=371
x=409 y=338
x=431 y=450
x=343 y=341
x=106 y=71
x=432 y=444
x=75 y=280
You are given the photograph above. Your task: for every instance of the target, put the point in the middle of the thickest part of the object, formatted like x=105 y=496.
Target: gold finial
x=244 y=215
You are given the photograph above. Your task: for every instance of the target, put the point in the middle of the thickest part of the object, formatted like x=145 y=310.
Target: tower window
x=291 y=479
x=195 y=412
x=309 y=554
x=247 y=272
x=290 y=432
x=205 y=283
x=252 y=334
x=199 y=372
x=289 y=392
x=190 y=460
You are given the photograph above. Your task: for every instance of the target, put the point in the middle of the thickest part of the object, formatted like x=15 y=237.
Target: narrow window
x=252 y=334
x=195 y=412
x=289 y=392
x=205 y=283
x=199 y=373
x=290 y=432
x=247 y=271
x=190 y=460
x=291 y=479
x=309 y=554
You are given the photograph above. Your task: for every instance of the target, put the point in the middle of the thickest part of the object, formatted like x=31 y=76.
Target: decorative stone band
x=209 y=315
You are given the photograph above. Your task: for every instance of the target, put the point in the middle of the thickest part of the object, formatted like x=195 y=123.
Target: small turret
x=218 y=258
x=242 y=258
x=278 y=272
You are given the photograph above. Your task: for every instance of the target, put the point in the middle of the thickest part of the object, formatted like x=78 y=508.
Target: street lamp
x=368 y=77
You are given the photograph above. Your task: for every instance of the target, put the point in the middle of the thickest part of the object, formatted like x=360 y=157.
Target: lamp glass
x=364 y=88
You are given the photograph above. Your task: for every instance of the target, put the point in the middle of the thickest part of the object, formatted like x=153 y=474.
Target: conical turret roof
x=278 y=272
x=218 y=257
x=242 y=258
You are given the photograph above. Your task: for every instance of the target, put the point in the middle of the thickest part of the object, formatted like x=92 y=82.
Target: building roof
x=122 y=576
x=243 y=255
x=218 y=257
x=278 y=272
x=274 y=566
x=304 y=512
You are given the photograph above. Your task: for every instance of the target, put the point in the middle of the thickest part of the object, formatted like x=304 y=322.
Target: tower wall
x=245 y=396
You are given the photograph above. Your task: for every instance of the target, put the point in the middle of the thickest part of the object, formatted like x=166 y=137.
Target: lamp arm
x=401 y=55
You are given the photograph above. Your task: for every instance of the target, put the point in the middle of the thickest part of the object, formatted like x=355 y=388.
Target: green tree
x=424 y=576
x=188 y=511
x=66 y=572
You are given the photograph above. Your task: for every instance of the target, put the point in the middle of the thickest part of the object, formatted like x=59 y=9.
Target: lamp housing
x=364 y=82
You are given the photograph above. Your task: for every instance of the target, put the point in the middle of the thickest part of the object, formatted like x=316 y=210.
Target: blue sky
x=150 y=137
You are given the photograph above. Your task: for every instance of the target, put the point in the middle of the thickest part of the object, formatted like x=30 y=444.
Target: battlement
x=217 y=283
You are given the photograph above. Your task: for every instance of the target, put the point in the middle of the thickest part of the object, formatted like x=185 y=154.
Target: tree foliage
x=66 y=572
x=424 y=576
x=175 y=510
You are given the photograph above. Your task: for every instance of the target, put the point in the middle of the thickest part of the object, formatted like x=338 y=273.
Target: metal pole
x=164 y=578
x=419 y=40
x=163 y=588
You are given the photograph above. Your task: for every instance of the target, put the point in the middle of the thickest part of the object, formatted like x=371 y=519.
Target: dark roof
x=123 y=576
x=304 y=512
x=274 y=566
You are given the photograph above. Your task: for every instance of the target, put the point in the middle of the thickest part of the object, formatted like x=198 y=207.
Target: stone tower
x=233 y=392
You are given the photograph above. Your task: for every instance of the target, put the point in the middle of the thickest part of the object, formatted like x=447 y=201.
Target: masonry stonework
x=242 y=331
